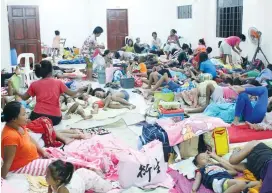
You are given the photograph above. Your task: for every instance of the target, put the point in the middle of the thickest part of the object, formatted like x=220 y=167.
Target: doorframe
x=108 y=23
x=9 y=15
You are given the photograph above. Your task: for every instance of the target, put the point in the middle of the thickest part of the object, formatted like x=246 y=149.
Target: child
x=231 y=43
x=76 y=107
x=129 y=47
x=217 y=177
x=61 y=178
x=56 y=42
x=119 y=96
x=112 y=105
x=138 y=67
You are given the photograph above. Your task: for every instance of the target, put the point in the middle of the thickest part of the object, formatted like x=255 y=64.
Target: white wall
x=5 y=47
x=71 y=18
x=77 y=19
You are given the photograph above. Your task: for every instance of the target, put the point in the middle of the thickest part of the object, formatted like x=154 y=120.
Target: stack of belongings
x=171 y=109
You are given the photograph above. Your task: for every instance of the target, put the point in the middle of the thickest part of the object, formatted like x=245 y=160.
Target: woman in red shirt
x=47 y=92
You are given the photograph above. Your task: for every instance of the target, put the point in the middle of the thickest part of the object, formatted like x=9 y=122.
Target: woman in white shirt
x=61 y=178
x=156 y=42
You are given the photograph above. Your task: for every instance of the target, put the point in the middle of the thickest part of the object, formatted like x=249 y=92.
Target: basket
x=127 y=82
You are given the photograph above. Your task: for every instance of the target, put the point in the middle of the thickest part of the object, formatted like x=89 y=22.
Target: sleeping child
x=118 y=96
x=218 y=176
x=74 y=106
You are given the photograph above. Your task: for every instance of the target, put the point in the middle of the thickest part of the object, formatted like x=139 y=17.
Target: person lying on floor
x=59 y=73
x=218 y=176
x=47 y=92
x=117 y=96
x=266 y=123
x=244 y=108
x=62 y=178
x=158 y=72
x=165 y=82
x=75 y=107
x=259 y=162
x=137 y=67
x=266 y=74
x=212 y=92
x=18 y=149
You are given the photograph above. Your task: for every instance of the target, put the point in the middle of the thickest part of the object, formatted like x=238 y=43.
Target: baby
x=218 y=177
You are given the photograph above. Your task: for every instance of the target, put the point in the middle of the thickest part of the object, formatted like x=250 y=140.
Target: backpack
x=257 y=64
x=152 y=132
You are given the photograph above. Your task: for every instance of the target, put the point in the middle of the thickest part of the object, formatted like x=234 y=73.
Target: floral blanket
x=186 y=129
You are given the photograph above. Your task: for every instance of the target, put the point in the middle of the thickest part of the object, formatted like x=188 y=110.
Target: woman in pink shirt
x=231 y=43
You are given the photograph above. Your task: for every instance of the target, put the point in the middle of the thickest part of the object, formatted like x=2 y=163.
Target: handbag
x=143 y=168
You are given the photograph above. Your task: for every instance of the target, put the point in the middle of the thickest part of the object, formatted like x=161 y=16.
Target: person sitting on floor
x=119 y=96
x=129 y=46
x=218 y=177
x=156 y=44
x=244 y=108
x=172 y=42
x=259 y=162
x=18 y=149
x=138 y=67
x=139 y=48
x=62 y=178
x=206 y=65
x=47 y=92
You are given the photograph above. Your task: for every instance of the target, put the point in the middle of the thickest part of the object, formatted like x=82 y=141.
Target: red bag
x=44 y=126
x=138 y=82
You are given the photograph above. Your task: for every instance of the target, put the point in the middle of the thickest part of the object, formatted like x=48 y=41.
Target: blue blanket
x=73 y=61
x=225 y=111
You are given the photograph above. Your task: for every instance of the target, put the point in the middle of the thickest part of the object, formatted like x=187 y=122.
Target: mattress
x=242 y=133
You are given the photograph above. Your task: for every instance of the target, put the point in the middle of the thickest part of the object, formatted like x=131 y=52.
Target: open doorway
x=117 y=28
x=24 y=30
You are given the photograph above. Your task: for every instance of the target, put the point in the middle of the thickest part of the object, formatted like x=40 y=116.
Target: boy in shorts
x=218 y=177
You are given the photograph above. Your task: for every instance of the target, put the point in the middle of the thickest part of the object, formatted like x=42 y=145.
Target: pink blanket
x=92 y=154
x=183 y=185
x=194 y=126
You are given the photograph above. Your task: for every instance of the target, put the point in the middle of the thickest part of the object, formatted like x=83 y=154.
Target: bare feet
x=236 y=121
x=254 y=126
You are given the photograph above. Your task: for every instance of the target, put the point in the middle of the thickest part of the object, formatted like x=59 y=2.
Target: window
x=185 y=12
x=229 y=18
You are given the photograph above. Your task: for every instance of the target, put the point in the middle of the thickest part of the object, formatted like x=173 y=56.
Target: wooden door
x=24 y=30
x=117 y=28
